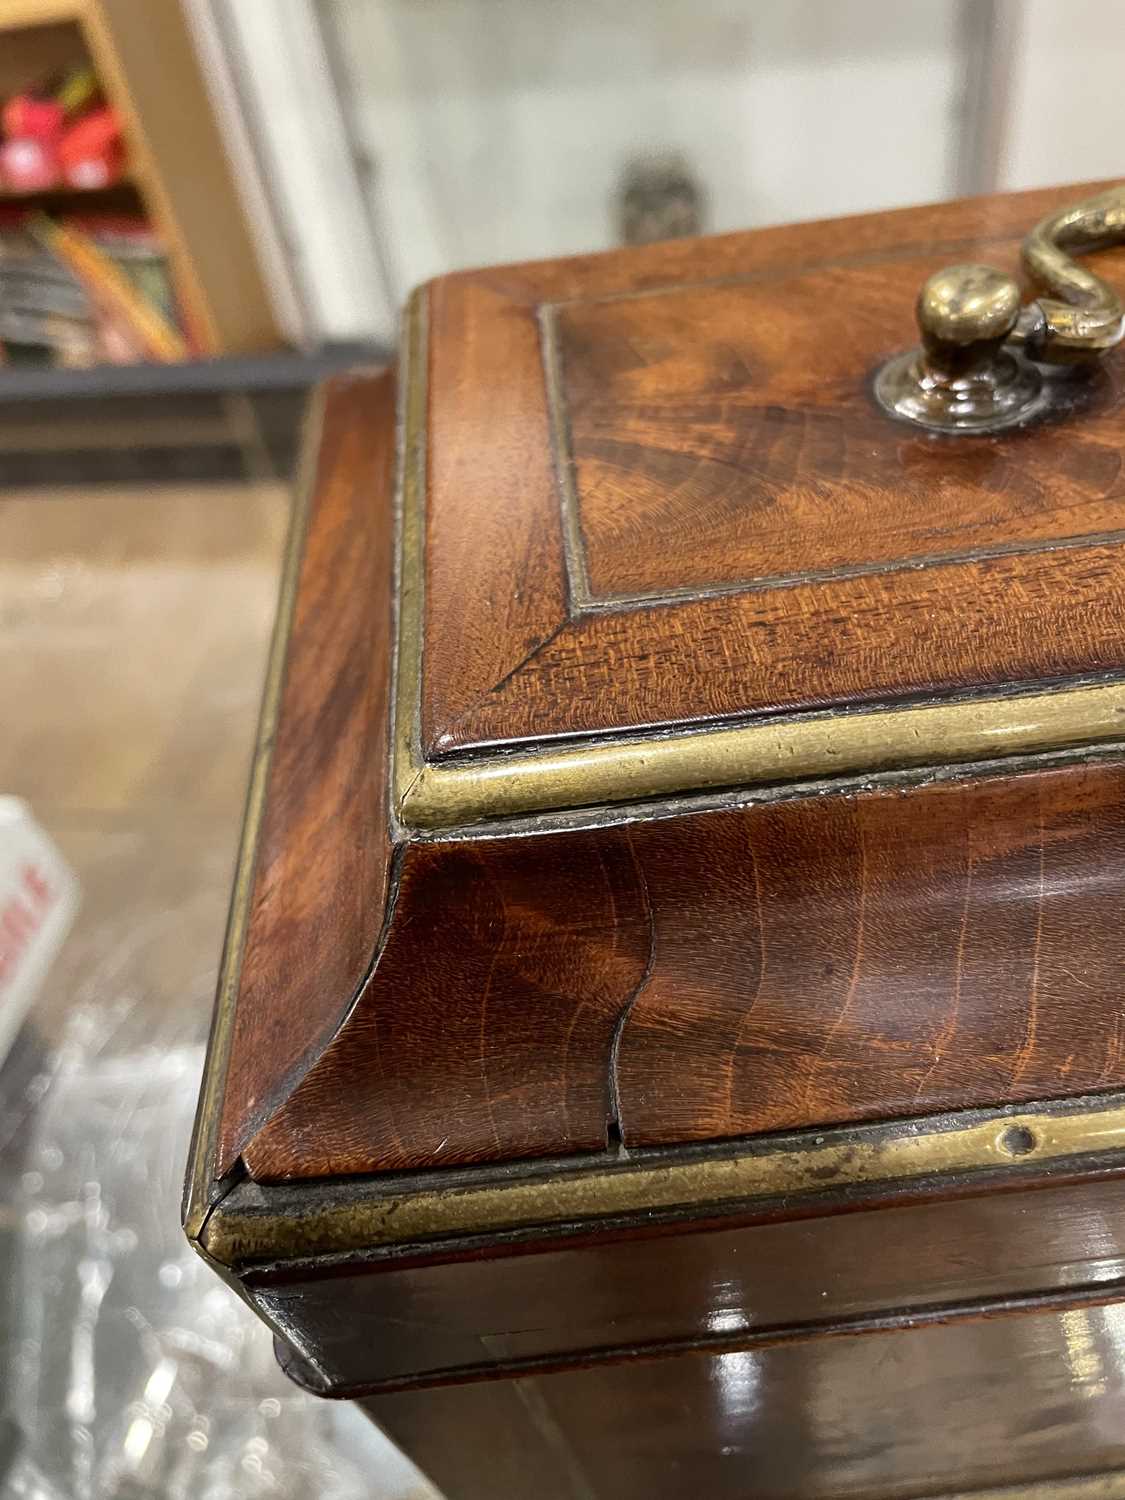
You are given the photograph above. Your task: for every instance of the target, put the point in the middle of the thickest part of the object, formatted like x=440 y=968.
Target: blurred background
x=206 y=206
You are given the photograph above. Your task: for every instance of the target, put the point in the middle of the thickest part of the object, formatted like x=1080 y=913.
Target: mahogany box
x=670 y=1038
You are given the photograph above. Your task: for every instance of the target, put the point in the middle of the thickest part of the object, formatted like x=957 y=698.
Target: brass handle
x=1082 y=316
x=976 y=369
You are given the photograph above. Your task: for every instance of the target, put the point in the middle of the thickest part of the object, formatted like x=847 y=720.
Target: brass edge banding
x=378 y=1216
x=435 y=794
x=202 y=1153
x=802 y=748
x=722 y=799
x=409 y=502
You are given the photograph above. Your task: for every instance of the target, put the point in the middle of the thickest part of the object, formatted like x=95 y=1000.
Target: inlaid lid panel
x=658 y=492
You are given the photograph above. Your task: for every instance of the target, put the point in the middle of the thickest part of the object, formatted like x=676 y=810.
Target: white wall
x=276 y=54
x=1066 y=116
x=403 y=138
x=499 y=128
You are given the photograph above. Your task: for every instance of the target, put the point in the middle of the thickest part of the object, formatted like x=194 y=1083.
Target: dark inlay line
x=612 y=603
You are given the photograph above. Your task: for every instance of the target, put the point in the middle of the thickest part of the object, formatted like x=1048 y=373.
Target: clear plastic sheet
x=134 y=626
x=134 y=1371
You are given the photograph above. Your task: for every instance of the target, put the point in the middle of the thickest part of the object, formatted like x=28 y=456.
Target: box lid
x=649 y=496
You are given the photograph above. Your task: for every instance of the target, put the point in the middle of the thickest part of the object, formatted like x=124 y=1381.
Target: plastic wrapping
x=134 y=1370
x=136 y=623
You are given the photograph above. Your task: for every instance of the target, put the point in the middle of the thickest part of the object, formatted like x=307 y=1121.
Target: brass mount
x=978 y=367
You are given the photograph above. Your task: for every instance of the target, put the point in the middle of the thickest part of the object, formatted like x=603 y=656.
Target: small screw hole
x=1017 y=1140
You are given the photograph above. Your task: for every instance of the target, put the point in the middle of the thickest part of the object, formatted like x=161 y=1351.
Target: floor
x=134 y=627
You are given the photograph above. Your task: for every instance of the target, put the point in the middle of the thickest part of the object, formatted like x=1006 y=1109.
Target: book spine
x=108 y=284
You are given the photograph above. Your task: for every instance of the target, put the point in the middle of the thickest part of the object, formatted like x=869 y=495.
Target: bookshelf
x=179 y=173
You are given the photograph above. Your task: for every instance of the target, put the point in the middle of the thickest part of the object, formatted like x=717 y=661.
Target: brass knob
x=976 y=370
x=965 y=313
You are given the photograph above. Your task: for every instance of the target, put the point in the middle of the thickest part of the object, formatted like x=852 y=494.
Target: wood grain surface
x=793 y=1269
x=893 y=953
x=1013 y=1408
x=696 y=417
x=324 y=854
x=725 y=436
x=790 y=963
x=485 y=1029
x=771 y=963
x=878 y=638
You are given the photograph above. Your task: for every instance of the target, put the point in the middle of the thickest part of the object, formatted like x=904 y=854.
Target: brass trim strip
x=202 y=1155
x=410 y=481
x=785 y=750
x=444 y=795
x=374 y=1215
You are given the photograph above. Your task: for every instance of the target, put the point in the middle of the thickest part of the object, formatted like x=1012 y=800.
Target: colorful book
x=110 y=287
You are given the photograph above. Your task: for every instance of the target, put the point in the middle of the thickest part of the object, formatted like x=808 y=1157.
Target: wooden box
x=670 y=1034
